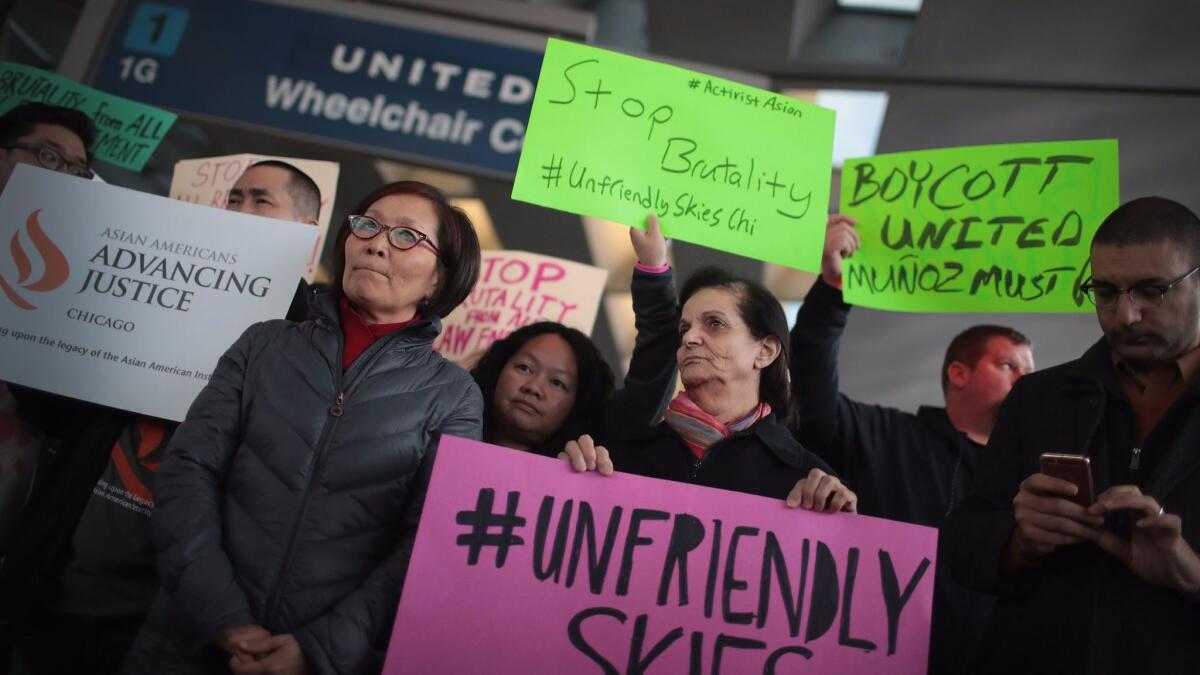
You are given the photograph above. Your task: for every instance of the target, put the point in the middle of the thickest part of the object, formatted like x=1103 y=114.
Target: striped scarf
x=699 y=430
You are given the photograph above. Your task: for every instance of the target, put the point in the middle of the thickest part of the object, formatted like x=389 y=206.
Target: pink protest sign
x=522 y=566
x=515 y=289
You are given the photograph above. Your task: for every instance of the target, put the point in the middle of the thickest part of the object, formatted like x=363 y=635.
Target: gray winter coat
x=291 y=493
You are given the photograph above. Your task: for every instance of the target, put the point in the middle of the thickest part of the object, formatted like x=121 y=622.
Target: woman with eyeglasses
x=287 y=505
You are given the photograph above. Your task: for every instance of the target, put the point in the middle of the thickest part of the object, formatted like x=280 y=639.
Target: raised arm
x=650 y=381
x=826 y=420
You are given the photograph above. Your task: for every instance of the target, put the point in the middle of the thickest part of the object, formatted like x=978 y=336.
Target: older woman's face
x=715 y=344
x=384 y=283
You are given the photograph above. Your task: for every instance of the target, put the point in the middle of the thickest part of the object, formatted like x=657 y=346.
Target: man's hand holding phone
x=1156 y=551
x=1047 y=517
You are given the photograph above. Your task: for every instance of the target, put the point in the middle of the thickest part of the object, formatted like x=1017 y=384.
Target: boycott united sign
x=994 y=228
x=522 y=566
x=516 y=289
x=127 y=299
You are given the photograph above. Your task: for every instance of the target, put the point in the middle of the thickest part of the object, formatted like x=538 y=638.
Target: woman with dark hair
x=546 y=383
x=288 y=502
x=521 y=415
x=726 y=428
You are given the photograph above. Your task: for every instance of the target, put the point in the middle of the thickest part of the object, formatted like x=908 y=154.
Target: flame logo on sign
x=55 y=269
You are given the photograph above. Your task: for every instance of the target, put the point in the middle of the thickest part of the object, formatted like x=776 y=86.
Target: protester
x=723 y=430
x=547 y=383
x=101 y=578
x=49 y=136
x=903 y=466
x=290 y=496
x=59 y=139
x=77 y=574
x=275 y=189
x=1112 y=587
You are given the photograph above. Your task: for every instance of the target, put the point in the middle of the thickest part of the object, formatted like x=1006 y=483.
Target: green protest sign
x=997 y=228
x=127 y=132
x=724 y=165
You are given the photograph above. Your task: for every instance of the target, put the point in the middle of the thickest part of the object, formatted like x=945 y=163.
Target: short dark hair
x=306 y=196
x=1149 y=220
x=457 y=242
x=764 y=316
x=594 y=380
x=970 y=345
x=21 y=120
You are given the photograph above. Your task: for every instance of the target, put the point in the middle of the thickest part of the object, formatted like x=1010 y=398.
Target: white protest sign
x=515 y=289
x=207 y=180
x=128 y=299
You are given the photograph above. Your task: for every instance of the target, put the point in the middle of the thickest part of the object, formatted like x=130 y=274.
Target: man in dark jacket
x=903 y=466
x=1114 y=587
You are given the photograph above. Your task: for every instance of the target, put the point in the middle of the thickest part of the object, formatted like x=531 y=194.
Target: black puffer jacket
x=291 y=493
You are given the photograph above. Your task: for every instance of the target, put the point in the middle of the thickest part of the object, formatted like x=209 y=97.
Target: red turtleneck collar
x=360 y=335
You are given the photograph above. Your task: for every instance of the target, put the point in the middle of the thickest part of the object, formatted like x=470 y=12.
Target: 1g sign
x=143 y=70
x=155 y=29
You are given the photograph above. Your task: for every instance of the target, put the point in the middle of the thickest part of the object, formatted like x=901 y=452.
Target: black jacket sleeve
x=650 y=381
x=978 y=530
x=849 y=435
x=194 y=569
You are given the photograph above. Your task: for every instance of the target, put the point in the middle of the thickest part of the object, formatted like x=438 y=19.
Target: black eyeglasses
x=50 y=158
x=1141 y=295
x=403 y=238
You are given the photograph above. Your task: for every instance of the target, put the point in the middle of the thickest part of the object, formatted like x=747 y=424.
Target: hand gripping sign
x=522 y=566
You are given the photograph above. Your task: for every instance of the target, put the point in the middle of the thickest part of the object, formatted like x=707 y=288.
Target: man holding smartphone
x=1114 y=586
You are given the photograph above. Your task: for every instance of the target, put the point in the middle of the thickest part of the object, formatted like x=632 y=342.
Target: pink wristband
x=653 y=270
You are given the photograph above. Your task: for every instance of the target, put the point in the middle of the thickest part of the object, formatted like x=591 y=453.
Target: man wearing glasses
x=1110 y=584
x=59 y=139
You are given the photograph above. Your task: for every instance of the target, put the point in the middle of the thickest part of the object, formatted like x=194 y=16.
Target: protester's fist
x=841 y=241
x=649 y=244
x=822 y=493
x=1047 y=518
x=585 y=455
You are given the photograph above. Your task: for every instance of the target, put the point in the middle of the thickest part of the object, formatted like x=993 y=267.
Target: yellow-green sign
x=127 y=132
x=723 y=164
x=996 y=228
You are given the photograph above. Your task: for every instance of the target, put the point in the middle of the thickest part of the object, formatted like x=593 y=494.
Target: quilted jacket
x=291 y=493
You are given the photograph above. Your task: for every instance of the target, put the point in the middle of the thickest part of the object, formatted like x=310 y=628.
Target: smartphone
x=1075 y=469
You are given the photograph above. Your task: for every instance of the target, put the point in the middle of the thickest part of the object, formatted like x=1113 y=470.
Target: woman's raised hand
x=649 y=244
